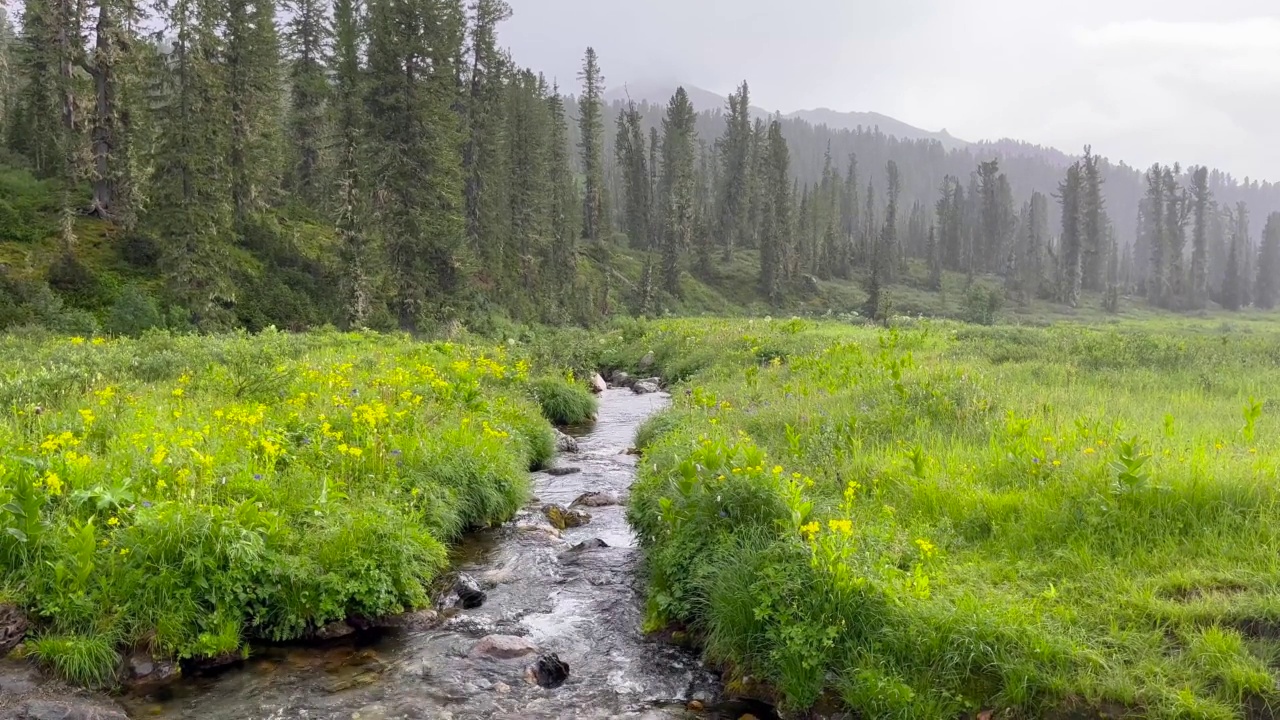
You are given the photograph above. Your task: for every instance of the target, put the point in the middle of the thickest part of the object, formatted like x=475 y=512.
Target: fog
x=1143 y=81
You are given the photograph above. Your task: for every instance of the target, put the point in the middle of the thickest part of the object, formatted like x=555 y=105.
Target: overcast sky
x=1142 y=80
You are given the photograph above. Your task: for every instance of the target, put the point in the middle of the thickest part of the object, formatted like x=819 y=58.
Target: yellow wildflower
x=53 y=483
x=1057 y=463
x=1088 y=451
x=77 y=340
x=810 y=530
x=777 y=469
x=843 y=527
x=927 y=548
x=113 y=521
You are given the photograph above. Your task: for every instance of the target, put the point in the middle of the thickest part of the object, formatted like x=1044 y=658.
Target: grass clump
x=563 y=402
x=937 y=521
x=198 y=492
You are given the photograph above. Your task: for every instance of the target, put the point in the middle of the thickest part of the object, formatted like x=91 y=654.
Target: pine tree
x=1267 y=287
x=1069 y=196
x=736 y=173
x=933 y=252
x=991 y=243
x=415 y=145
x=252 y=67
x=484 y=154
x=563 y=258
x=679 y=186
x=591 y=144
x=350 y=217
x=1200 y=200
x=882 y=254
x=1093 y=220
x=307 y=35
x=114 y=71
x=529 y=192
x=637 y=184
x=776 y=199
x=849 y=219
x=1177 y=209
x=1155 y=230
x=1233 y=296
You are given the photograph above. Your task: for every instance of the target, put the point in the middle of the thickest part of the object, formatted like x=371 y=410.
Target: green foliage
x=199 y=492
x=982 y=304
x=563 y=402
x=939 y=520
x=133 y=313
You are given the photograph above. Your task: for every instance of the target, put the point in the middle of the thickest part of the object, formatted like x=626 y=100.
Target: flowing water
x=582 y=604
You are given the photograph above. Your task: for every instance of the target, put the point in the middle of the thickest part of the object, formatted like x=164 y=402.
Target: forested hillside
x=387 y=164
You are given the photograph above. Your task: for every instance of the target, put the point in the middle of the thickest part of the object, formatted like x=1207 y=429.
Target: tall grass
x=942 y=519
x=196 y=493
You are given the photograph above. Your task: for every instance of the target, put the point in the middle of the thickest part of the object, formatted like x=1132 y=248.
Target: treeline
x=386 y=163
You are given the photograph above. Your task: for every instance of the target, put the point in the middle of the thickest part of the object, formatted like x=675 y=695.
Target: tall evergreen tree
x=591 y=144
x=1267 y=288
x=1094 y=245
x=679 y=186
x=735 y=173
x=776 y=199
x=484 y=153
x=350 y=218
x=252 y=67
x=1069 y=196
x=1200 y=198
x=563 y=258
x=307 y=36
x=1156 y=227
x=637 y=183
x=1233 y=292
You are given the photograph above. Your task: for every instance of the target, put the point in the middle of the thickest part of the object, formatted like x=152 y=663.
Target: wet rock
x=501 y=688
x=416 y=621
x=143 y=671
x=592 y=544
x=18 y=678
x=695 y=706
x=566 y=443
x=503 y=647
x=470 y=596
x=595 y=499
x=631 y=451
x=70 y=709
x=13 y=627
x=620 y=379
x=645 y=387
x=563 y=518
x=598 y=385
x=563 y=471
x=334 y=630
x=550 y=671
x=647 y=361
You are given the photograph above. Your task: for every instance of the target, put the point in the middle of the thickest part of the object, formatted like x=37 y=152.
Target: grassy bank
x=191 y=493
x=939 y=520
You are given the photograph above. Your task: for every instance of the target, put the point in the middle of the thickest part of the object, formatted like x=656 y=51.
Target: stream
x=582 y=603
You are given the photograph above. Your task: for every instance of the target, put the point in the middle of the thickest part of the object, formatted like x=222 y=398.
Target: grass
x=194 y=493
x=563 y=402
x=940 y=519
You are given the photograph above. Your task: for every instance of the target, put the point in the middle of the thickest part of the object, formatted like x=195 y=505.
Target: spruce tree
x=565 y=207
x=1233 y=294
x=484 y=154
x=637 y=184
x=735 y=173
x=1094 y=246
x=1177 y=209
x=591 y=145
x=1267 y=286
x=1155 y=229
x=776 y=201
x=1069 y=197
x=1200 y=200
x=252 y=67
x=679 y=186
x=114 y=70
x=849 y=218
x=307 y=35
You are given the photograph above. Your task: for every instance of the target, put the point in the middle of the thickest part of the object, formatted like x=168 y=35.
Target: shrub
x=133 y=313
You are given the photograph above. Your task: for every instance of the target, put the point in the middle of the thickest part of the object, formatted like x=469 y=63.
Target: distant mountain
x=658 y=92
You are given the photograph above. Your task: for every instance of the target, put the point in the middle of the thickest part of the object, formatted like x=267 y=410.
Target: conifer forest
x=351 y=368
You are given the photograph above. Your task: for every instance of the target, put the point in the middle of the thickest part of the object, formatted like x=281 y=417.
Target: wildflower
x=161 y=484
x=1035 y=460
x=113 y=521
x=927 y=548
x=257 y=476
x=1253 y=451
x=53 y=483
x=777 y=469
x=77 y=340
x=810 y=530
x=1088 y=451
x=1217 y=446
x=146 y=503
x=1057 y=463
x=843 y=527
x=99 y=341
x=159 y=456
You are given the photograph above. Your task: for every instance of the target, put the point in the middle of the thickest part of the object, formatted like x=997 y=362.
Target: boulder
x=566 y=443
x=592 y=544
x=549 y=671
x=598 y=385
x=503 y=647
x=470 y=596
x=595 y=499
x=411 y=621
x=563 y=471
x=645 y=387
x=620 y=379
x=562 y=517
x=647 y=361
x=144 y=672
x=13 y=627
x=334 y=630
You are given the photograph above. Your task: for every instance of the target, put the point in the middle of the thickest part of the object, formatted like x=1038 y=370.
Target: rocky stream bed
x=544 y=621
